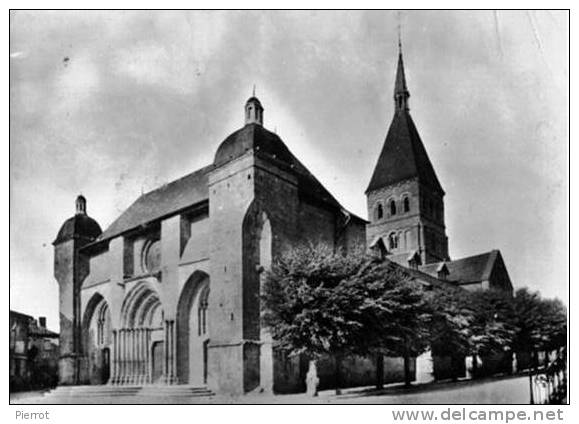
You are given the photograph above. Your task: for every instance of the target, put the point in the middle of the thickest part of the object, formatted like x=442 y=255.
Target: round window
x=152 y=256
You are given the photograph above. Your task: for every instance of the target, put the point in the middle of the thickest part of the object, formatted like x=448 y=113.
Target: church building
x=168 y=294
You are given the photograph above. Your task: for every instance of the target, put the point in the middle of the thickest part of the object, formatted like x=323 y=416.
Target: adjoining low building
x=33 y=353
x=484 y=271
x=169 y=292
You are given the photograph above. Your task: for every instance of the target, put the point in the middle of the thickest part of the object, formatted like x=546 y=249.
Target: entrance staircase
x=110 y=394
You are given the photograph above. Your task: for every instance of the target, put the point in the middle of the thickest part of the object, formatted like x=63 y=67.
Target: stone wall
x=359 y=371
x=355 y=371
x=421 y=228
x=197 y=245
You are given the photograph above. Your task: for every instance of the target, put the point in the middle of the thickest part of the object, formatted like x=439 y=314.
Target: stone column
x=141 y=357
x=148 y=361
x=137 y=357
x=121 y=357
x=125 y=357
x=129 y=355
x=113 y=378
x=173 y=353
x=165 y=350
x=144 y=350
x=140 y=344
x=170 y=357
x=133 y=356
x=424 y=368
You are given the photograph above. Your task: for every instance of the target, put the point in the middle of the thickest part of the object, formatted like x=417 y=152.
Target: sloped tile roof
x=166 y=200
x=193 y=188
x=421 y=276
x=38 y=331
x=471 y=269
x=403 y=156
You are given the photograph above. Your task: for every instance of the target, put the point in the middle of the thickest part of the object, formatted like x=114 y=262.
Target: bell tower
x=404 y=198
x=70 y=269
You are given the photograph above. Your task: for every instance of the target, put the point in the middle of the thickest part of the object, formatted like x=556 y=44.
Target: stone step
x=150 y=393
x=175 y=391
x=93 y=391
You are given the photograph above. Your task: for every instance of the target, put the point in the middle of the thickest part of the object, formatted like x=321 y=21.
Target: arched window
x=406 y=204
x=202 y=312
x=393 y=241
x=379 y=211
x=392 y=207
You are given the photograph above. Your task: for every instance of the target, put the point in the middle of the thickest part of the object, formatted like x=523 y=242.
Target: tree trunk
x=338 y=374
x=474 y=366
x=531 y=394
x=535 y=360
x=379 y=371
x=407 y=379
x=454 y=368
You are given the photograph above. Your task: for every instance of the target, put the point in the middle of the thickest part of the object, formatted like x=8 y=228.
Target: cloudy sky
x=110 y=104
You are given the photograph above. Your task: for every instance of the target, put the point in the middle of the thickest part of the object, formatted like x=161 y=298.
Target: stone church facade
x=169 y=292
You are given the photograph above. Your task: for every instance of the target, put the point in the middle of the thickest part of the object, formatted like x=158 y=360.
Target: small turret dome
x=79 y=226
x=253 y=111
x=253 y=136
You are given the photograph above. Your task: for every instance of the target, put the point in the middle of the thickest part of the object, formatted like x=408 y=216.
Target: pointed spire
x=401 y=93
x=253 y=95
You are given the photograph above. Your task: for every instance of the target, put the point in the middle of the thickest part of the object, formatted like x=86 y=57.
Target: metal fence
x=548 y=383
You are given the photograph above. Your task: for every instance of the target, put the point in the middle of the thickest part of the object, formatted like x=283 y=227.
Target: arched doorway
x=139 y=354
x=97 y=340
x=193 y=330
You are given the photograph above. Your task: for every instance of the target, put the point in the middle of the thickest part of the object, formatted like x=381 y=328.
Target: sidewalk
x=507 y=390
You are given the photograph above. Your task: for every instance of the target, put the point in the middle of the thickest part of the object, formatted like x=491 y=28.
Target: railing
x=548 y=383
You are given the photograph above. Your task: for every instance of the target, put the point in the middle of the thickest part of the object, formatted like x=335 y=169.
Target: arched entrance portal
x=97 y=339
x=139 y=355
x=193 y=330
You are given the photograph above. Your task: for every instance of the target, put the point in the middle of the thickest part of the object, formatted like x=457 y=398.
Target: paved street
x=499 y=390
x=505 y=390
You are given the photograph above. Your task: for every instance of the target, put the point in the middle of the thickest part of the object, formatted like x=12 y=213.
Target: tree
x=554 y=325
x=493 y=329
x=450 y=325
x=541 y=323
x=394 y=312
x=322 y=302
x=310 y=304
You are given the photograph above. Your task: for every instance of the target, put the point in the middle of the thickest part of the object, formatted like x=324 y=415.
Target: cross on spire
x=399 y=34
x=401 y=93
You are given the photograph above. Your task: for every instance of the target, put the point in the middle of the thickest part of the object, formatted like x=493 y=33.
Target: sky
x=113 y=104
